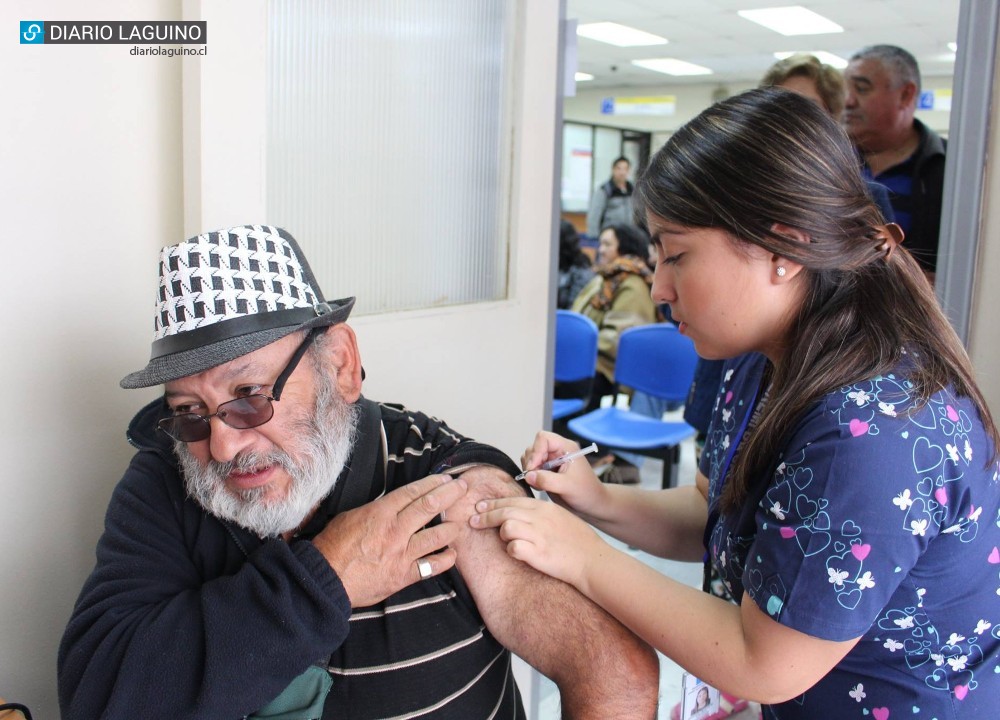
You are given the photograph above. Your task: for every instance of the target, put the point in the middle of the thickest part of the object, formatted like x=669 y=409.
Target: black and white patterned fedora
x=227 y=293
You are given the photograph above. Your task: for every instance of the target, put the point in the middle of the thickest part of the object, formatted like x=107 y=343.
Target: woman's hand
x=543 y=535
x=573 y=485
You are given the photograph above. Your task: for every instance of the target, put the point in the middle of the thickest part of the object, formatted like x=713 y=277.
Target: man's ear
x=782 y=269
x=908 y=94
x=344 y=359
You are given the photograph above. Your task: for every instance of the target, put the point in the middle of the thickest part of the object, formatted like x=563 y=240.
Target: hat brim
x=165 y=368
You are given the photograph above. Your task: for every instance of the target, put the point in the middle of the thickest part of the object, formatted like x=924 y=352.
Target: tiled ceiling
x=710 y=33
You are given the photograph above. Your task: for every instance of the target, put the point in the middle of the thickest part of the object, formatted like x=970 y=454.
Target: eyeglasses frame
x=275 y=396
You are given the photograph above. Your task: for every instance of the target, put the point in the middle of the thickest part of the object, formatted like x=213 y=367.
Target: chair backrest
x=656 y=359
x=576 y=347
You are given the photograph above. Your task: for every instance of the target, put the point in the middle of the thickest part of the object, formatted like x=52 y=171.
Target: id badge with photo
x=698 y=698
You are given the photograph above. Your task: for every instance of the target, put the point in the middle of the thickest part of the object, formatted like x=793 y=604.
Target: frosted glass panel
x=388 y=146
x=577 y=167
x=607 y=149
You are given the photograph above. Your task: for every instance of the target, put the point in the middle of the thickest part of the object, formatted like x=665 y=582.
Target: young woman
x=851 y=494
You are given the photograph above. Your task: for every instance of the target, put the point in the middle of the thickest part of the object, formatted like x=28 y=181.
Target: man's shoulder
x=931 y=144
x=414 y=439
x=404 y=424
x=419 y=444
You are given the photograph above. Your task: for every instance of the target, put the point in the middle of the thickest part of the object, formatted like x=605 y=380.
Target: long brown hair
x=771 y=156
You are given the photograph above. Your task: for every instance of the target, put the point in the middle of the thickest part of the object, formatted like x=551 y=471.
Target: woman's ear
x=784 y=270
x=344 y=360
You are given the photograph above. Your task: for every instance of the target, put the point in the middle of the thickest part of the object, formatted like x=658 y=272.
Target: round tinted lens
x=188 y=427
x=246 y=412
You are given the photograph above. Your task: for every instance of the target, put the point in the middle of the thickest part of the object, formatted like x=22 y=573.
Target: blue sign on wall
x=926 y=101
x=608 y=106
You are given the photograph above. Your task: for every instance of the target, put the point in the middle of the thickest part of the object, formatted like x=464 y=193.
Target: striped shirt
x=424 y=652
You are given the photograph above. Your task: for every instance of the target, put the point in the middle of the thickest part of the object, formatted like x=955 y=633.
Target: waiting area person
x=824 y=85
x=575 y=269
x=281 y=546
x=899 y=151
x=847 y=494
x=617 y=299
x=611 y=203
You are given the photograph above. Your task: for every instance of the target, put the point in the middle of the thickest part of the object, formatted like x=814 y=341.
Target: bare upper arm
x=547 y=622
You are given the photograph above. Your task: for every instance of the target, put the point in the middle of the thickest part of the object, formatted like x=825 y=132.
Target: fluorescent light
x=583 y=77
x=792 y=20
x=953 y=47
x=671 y=66
x=620 y=35
x=821 y=55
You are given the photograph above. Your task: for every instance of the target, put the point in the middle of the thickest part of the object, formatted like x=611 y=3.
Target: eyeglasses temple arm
x=279 y=384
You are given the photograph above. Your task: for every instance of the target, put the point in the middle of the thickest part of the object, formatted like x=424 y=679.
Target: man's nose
x=226 y=442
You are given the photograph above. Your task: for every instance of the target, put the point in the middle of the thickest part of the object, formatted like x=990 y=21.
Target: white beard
x=324 y=441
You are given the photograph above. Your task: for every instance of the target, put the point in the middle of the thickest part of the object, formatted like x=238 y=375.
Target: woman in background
x=616 y=299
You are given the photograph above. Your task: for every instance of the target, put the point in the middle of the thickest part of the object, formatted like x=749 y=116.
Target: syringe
x=561 y=460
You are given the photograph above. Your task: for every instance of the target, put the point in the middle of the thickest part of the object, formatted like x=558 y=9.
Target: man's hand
x=374 y=549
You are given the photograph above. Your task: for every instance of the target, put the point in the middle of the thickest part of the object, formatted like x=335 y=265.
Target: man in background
x=611 y=203
x=899 y=151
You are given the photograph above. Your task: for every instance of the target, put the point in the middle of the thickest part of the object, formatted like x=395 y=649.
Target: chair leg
x=671 y=467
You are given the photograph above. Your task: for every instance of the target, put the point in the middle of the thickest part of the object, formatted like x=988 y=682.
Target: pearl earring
x=780 y=271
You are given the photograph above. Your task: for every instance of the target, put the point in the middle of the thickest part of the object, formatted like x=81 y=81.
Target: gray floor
x=689 y=573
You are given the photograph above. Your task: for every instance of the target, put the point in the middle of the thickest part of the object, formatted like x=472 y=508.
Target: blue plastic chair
x=658 y=360
x=576 y=361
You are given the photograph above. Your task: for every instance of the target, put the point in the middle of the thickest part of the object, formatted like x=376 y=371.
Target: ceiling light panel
x=791 y=20
x=619 y=35
x=672 y=66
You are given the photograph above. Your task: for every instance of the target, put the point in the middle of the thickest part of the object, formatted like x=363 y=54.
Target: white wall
x=90 y=188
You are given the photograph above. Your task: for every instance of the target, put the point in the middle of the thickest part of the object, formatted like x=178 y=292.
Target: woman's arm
x=738 y=649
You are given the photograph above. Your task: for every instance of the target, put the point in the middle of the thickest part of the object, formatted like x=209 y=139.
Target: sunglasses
x=242 y=413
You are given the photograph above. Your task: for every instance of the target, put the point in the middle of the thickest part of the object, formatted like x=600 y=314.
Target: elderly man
x=899 y=151
x=281 y=546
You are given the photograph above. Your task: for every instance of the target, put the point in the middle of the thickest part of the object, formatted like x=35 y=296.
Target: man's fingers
x=433 y=538
x=401 y=498
x=431 y=565
x=424 y=507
